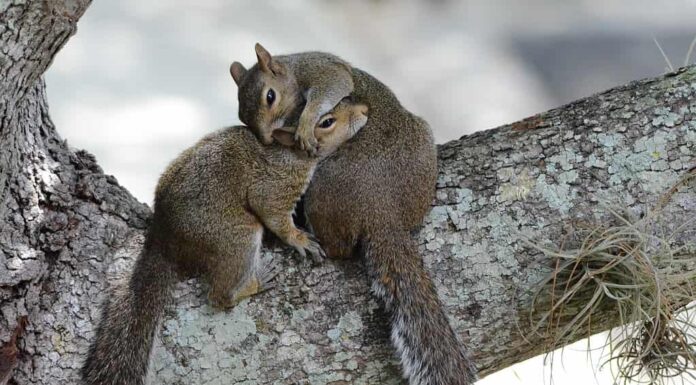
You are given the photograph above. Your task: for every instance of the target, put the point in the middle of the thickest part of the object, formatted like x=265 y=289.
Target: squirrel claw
x=301 y=251
x=267 y=273
x=306 y=144
x=312 y=152
x=315 y=250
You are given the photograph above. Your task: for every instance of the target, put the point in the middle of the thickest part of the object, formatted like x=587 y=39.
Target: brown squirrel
x=274 y=88
x=368 y=196
x=211 y=205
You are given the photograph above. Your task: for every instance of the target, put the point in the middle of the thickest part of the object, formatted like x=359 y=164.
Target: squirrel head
x=333 y=129
x=268 y=94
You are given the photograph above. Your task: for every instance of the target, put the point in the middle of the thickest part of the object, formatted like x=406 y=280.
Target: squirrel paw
x=266 y=273
x=307 y=143
x=306 y=243
x=223 y=297
x=315 y=250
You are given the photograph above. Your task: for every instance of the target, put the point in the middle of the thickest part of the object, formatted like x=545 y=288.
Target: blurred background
x=144 y=79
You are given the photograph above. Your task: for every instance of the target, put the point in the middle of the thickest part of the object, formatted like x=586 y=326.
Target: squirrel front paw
x=304 y=137
x=311 y=246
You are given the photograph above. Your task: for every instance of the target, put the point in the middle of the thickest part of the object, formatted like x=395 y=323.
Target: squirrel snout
x=267 y=139
x=362 y=109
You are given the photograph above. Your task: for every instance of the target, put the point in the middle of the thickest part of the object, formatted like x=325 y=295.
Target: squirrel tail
x=120 y=352
x=420 y=331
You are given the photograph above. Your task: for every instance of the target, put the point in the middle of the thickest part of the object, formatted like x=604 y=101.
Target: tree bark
x=67 y=231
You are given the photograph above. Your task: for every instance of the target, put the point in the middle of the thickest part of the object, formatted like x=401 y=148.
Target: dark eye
x=326 y=123
x=270 y=96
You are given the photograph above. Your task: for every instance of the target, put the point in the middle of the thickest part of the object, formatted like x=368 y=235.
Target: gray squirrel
x=367 y=197
x=211 y=206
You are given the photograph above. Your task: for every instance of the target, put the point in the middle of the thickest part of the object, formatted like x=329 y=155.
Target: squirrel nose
x=363 y=109
x=267 y=139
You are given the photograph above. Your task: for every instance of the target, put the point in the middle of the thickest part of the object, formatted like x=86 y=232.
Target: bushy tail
x=429 y=350
x=120 y=352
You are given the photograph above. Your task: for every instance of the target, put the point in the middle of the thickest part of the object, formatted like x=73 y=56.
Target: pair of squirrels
x=374 y=185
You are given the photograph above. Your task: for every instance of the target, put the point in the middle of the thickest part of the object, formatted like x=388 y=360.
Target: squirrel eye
x=326 y=123
x=270 y=96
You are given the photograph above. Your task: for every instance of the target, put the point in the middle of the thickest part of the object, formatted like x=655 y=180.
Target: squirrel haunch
x=211 y=206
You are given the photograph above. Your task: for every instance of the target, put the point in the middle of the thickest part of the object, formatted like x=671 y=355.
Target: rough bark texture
x=67 y=231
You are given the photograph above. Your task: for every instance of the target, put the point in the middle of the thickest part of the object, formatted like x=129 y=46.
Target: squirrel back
x=368 y=197
x=387 y=173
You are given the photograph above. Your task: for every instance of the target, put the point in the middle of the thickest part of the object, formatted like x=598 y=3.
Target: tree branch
x=66 y=230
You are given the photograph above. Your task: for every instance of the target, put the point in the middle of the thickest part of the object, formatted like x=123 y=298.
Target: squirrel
x=271 y=90
x=211 y=205
x=367 y=197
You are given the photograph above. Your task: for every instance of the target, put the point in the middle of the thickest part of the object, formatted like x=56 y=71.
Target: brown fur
x=370 y=195
x=211 y=205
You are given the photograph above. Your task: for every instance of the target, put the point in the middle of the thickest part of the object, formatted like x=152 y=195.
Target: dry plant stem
x=687 y=60
x=670 y=67
x=628 y=268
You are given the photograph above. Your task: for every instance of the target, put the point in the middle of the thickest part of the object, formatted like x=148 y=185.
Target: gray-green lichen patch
x=218 y=345
x=349 y=325
x=647 y=160
x=664 y=117
x=566 y=159
x=558 y=195
x=4 y=4
x=460 y=200
x=609 y=140
x=596 y=162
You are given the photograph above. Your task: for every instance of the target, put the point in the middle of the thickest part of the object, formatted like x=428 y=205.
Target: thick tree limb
x=66 y=230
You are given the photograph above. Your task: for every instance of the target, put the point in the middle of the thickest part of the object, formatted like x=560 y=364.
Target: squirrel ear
x=237 y=71
x=277 y=68
x=264 y=57
x=285 y=136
